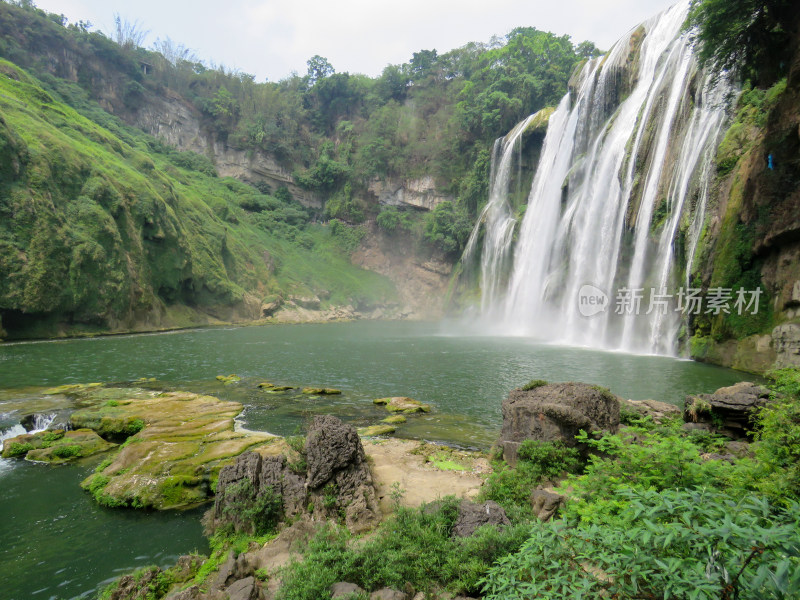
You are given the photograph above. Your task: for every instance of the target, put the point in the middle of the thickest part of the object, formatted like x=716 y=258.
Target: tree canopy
x=753 y=39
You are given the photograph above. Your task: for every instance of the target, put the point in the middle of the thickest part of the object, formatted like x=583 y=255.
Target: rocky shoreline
x=273 y=496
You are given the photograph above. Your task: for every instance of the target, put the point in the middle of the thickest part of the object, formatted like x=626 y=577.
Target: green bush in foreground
x=537 y=462
x=415 y=546
x=695 y=543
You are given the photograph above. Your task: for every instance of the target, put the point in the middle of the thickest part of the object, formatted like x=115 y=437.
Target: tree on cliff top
x=750 y=38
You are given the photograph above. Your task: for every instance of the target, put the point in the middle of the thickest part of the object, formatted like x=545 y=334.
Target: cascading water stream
x=497 y=218
x=623 y=173
x=40 y=423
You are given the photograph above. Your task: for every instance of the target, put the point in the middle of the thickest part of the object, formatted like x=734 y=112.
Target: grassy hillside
x=111 y=230
x=336 y=132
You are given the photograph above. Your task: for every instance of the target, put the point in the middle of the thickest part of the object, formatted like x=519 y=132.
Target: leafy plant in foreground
x=697 y=544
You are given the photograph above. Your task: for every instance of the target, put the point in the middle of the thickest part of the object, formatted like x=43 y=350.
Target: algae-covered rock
x=56 y=446
x=228 y=379
x=71 y=389
x=394 y=419
x=112 y=421
x=79 y=443
x=376 y=430
x=402 y=404
x=280 y=388
x=266 y=385
x=175 y=459
x=321 y=391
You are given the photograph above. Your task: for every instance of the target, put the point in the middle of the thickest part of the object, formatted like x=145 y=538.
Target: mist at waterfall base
x=618 y=200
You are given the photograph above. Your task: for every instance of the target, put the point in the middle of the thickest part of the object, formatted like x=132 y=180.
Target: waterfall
x=497 y=218
x=617 y=202
x=40 y=422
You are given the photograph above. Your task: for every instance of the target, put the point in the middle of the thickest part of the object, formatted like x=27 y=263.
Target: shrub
x=537 y=461
x=414 y=546
x=390 y=219
x=17 y=449
x=133 y=427
x=637 y=459
x=67 y=451
x=448 y=227
x=533 y=384
x=52 y=436
x=256 y=512
x=698 y=544
x=777 y=450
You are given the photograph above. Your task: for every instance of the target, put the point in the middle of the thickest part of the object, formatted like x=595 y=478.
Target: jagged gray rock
x=555 y=412
x=345 y=590
x=729 y=410
x=471 y=516
x=244 y=589
x=388 y=594
x=546 y=504
x=658 y=411
x=330 y=445
x=337 y=480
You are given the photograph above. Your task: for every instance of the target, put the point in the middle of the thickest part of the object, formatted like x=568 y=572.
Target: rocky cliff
x=753 y=234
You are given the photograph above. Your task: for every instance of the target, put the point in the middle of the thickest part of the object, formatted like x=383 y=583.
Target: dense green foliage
x=750 y=37
x=436 y=115
x=537 y=462
x=413 y=546
x=651 y=517
x=105 y=227
x=259 y=513
x=688 y=543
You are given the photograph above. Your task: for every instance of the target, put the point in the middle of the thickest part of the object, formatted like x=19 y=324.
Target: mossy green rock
x=228 y=379
x=394 y=419
x=402 y=404
x=72 y=389
x=175 y=459
x=375 y=430
x=265 y=385
x=56 y=446
x=321 y=391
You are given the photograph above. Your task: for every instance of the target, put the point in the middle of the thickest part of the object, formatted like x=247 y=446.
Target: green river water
x=55 y=543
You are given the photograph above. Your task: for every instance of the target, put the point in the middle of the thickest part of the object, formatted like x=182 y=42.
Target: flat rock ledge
x=175 y=444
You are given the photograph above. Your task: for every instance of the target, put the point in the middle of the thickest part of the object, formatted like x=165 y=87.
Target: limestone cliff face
x=755 y=229
x=173 y=120
x=417 y=193
x=421 y=279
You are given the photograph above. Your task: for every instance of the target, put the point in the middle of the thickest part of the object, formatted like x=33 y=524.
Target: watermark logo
x=689 y=301
x=592 y=300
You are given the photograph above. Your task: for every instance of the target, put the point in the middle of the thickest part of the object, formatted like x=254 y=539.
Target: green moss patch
x=174 y=458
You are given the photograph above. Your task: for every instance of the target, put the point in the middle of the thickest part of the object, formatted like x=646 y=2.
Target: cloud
x=271 y=39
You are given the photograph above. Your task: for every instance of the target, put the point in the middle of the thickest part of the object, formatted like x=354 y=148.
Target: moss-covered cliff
x=104 y=228
x=752 y=236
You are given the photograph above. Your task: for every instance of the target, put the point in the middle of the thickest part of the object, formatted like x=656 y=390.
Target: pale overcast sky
x=270 y=39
